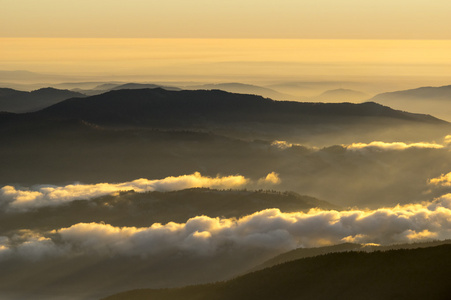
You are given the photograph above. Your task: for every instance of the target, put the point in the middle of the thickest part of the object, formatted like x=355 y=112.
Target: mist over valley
x=225 y=150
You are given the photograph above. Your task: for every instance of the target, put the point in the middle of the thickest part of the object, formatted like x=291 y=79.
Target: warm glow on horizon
x=228 y=57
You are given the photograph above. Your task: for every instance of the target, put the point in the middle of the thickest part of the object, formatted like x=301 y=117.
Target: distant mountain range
x=20 y=102
x=418 y=94
x=397 y=274
x=103 y=88
x=339 y=95
x=307 y=89
x=431 y=100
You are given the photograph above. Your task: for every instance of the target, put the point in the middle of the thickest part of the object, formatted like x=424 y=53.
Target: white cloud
x=271 y=178
x=269 y=231
x=447 y=140
x=50 y=195
x=391 y=146
x=282 y=144
x=443 y=180
x=5 y=249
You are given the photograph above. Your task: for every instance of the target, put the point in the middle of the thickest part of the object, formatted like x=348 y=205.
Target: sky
x=306 y=19
x=248 y=41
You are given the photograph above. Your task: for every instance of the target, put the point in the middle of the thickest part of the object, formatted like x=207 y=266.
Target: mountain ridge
x=429 y=99
x=242 y=88
x=197 y=105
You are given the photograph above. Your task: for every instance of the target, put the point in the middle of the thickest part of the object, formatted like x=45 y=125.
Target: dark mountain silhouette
x=19 y=101
x=247 y=116
x=306 y=252
x=431 y=100
x=396 y=274
x=242 y=88
x=162 y=108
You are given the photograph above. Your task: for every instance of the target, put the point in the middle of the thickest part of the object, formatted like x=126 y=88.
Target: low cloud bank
x=447 y=140
x=392 y=146
x=269 y=231
x=50 y=195
x=376 y=145
x=283 y=144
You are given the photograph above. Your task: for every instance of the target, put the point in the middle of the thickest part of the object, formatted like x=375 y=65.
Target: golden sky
x=227 y=57
x=303 y=19
x=227 y=40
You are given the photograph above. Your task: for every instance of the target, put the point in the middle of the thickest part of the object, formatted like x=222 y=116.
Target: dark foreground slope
x=300 y=253
x=397 y=274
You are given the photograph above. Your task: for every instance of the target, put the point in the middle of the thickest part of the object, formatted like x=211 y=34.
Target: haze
x=259 y=61
x=148 y=146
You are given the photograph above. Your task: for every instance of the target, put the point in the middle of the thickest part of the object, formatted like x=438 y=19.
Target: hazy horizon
x=382 y=65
